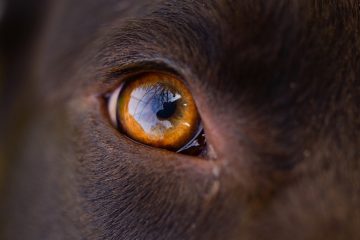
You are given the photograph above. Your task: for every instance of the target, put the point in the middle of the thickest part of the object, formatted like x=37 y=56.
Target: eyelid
x=125 y=72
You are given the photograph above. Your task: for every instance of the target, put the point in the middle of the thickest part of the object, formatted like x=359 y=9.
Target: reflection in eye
x=158 y=110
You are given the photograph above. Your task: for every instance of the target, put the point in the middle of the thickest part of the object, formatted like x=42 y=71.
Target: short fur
x=276 y=83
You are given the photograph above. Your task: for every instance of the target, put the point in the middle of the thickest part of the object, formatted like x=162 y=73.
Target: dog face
x=275 y=84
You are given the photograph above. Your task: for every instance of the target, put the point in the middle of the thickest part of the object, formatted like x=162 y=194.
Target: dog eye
x=158 y=110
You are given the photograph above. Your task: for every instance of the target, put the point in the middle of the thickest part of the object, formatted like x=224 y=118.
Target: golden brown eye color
x=158 y=110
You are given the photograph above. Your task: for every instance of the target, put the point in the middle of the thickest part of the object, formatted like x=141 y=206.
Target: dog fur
x=276 y=83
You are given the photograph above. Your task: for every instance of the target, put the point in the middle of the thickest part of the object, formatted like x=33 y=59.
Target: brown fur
x=276 y=84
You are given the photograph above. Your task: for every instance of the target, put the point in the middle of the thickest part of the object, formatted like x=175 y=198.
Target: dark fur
x=276 y=84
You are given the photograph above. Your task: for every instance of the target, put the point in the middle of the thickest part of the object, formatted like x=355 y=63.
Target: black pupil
x=165 y=102
x=169 y=108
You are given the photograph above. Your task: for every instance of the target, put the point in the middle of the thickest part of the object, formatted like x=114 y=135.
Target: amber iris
x=157 y=109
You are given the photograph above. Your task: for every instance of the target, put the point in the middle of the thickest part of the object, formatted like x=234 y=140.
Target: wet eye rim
x=112 y=97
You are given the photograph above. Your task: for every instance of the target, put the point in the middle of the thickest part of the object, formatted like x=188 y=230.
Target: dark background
x=20 y=23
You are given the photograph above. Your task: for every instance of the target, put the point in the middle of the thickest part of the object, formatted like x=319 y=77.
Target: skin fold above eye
x=158 y=110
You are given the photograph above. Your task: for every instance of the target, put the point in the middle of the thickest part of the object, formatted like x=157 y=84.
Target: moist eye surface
x=157 y=109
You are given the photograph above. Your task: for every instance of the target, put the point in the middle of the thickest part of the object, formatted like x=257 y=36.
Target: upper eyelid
x=141 y=66
x=118 y=75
